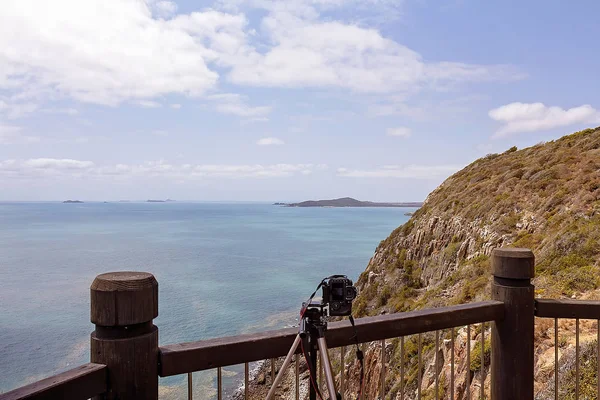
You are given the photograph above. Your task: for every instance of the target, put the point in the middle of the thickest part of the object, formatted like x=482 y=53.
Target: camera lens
x=335 y=305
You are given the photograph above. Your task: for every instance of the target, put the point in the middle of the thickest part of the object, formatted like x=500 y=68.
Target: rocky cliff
x=546 y=198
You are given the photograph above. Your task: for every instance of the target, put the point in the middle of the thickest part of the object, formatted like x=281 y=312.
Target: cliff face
x=546 y=197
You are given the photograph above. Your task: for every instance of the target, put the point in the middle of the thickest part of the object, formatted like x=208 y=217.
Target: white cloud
x=406 y=172
x=391 y=107
x=270 y=141
x=307 y=51
x=531 y=117
x=6 y=129
x=424 y=109
x=10 y=134
x=47 y=167
x=110 y=51
x=66 y=111
x=256 y=119
x=235 y=104
x=377 y=10
x=57 y=164
x=401 y=131
x=148 y=104
x=176 y=106
x=13 y=109
x=164 y=9
x=85 y=122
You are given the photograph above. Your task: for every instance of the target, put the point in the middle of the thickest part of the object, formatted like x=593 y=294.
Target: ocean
x=222 y=268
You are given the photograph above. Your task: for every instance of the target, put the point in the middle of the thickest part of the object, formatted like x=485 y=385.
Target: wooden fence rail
x=582 y=309
x=182 y=358
x=79 y=383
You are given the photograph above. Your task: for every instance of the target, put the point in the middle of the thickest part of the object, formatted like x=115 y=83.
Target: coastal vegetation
x=545 y=197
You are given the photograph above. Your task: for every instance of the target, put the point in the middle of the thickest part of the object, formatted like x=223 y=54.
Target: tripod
x=312 y=335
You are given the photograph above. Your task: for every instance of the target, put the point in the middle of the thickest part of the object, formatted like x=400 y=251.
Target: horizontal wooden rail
x=183 y=358
x=79 y=383
x=582 y=309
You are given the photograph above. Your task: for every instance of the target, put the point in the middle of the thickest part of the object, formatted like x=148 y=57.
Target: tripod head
x=313 y=319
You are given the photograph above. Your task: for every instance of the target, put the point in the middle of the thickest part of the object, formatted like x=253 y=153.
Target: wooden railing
x=182 y=358
x=83 y=382
x=185 y=358
x=126 y=360
x=577 y=310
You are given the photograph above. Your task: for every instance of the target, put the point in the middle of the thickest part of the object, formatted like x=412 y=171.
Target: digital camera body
x=338 y=294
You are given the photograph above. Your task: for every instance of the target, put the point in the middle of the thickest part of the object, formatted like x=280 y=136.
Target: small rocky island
x=72 y=201
x=160 y=201
x=347 y=202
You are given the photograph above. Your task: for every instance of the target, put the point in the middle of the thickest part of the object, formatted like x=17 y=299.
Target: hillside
x=348 y=202
x=547 y=198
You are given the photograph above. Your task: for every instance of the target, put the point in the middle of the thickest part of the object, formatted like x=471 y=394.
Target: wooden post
x=512 y=337
x=123 y=305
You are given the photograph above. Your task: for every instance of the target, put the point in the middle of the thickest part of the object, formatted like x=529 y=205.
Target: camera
x=338 y=293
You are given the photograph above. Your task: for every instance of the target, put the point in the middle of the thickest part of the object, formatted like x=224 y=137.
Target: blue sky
x=287 y=100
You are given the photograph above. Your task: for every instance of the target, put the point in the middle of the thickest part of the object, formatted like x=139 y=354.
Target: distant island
x=347 y=202
x=72 y=201
x=160 y=201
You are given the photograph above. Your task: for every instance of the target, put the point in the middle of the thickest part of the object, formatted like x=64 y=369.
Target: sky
x=257 y=100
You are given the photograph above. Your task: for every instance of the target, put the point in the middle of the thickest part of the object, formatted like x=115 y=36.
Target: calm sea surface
x=223 y=269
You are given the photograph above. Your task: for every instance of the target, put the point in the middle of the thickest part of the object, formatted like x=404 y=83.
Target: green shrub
x=385 y=295
x=579 y=279
x=527 y=240
x=475 y=362
x=587 y=375
x=370 y=291
x=508 y=223
x=359 y=307
x=408 y=226
x=451 y=250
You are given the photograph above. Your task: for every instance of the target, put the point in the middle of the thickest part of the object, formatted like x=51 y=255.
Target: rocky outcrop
x=438 y=245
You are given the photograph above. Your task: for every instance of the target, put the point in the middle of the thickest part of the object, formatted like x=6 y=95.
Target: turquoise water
x=222 y=269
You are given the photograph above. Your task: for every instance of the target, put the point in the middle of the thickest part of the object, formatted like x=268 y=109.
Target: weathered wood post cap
x=124 y=298
x=513 y=263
